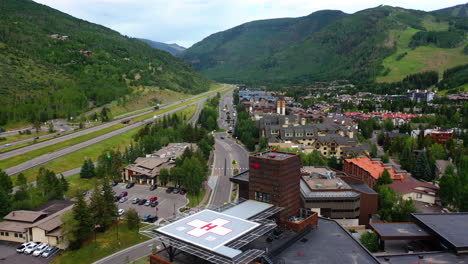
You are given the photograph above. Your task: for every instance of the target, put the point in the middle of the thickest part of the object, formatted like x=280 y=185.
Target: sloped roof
x=24 y=216
x=410 y=187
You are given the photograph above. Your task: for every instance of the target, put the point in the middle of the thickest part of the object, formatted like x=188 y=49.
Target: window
x=20 y=235
x=274 y=132
x=418 y=195
x=263 y=197
x=309 y=134
x=288 y=134
x=4 y=234
x=299 y=134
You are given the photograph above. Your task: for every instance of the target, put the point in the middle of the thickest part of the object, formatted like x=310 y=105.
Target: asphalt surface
x=195 y=116
x=60 y=126
x=226 y=151
x=53 y=155
x=26 y=149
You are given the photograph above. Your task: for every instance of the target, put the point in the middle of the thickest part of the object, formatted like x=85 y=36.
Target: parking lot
x=169 y=203
x=8 y=255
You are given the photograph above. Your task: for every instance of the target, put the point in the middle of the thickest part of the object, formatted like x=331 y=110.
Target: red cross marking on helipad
x=203 y=228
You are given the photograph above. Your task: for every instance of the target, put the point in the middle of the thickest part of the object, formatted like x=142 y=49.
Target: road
x=195 y=116
x=60 y=126
x=226 y=151
x=26 y=149
x=56 y=154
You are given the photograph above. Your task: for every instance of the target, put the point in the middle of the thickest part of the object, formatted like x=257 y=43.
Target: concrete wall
x=11 y=237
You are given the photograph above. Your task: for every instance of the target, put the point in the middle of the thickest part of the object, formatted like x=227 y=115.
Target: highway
x=26 y=149
x=56 y=154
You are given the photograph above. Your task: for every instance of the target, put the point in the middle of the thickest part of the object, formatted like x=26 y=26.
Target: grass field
x=419 y=59
x=75 y=159
x=18 y=137
x=106 y=244
x=13 y=161
x=460 y=89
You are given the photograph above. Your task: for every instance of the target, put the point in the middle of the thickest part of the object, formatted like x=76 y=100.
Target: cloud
x=188 y=21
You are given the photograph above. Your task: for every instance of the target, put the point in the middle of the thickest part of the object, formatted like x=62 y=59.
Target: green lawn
x=77 y=184
x=106 y=245
x=419 y=59
x=13 y=161
x=195 y=199
x=18 y=137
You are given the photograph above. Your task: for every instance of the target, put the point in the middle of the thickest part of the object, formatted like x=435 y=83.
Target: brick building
x=369 y=170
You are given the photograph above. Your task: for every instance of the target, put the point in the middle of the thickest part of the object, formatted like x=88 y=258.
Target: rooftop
x=411 y=187
x=275 y=155
x=328 y=243
x=399 y=231
x=25 y=216
x=307 y=192
x=424 y=258
x=374 y=167
x=449 y=227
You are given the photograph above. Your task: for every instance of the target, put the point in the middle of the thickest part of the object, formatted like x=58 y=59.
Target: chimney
x=303 y=121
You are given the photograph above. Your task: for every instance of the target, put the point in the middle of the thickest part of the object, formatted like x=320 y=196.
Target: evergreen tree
x=370 y=240
x=385 y=178
x=5 y=204
x=422 y=169
x=97 y=207
x=407 y=159
x=63 y=183
x=373 y=151
x=6 y=185
x=109 y=207
x=49 y=186
x=80 y=225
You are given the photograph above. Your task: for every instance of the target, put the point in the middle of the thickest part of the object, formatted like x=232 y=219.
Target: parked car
x=154 y=203
x=153 y=198
x=148 y=203
x=121 y=212
x=151 y=218
x=142 y=202
x=135 y=200
x=130 y=185
x=49 y=251
x=146 y=217
x=23 y=246
x=170 y=189
x=222 y=137
x=176 y=190
x=40 y=249
x=114 y=183
x=117 y=198
x=30 y=249
x=123 y=199
x=123 y=194
x=182 y=191
x=153 y=187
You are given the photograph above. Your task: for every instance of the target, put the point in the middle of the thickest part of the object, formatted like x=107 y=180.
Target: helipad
x=208 y=229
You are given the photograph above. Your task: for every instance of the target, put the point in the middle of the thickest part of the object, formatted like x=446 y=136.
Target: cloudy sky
x=186 y=22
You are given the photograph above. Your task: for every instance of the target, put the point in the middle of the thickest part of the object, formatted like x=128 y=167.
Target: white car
x=41 y=248
x=121 y=212
x=29 y=249
x=23 y=246
x=123 y=199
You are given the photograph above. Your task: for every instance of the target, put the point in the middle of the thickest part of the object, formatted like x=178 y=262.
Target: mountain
x=373 y=44
x=173 y=49
x=458 y=10
x=54 y=65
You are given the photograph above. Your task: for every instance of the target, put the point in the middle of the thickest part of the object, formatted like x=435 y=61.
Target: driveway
x=8 y=255
x=168 y=202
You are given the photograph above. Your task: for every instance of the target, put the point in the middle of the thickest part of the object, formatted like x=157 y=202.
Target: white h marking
x=203 y=228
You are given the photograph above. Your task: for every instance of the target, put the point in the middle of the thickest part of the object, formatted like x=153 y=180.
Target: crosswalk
x=231 y=168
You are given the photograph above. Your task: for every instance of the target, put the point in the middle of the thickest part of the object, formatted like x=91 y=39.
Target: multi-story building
x=369 y=170
x=329 y=139
x=420 y=95
x=330 y=196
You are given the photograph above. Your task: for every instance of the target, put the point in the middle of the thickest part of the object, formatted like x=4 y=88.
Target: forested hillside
x=54 y=65
x=458 y=10
x=173 y=48
x=383 y=43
